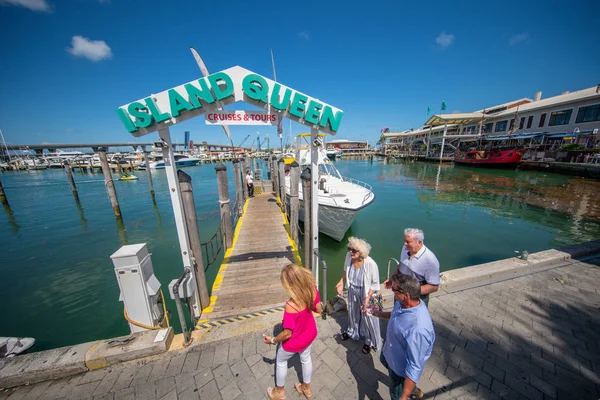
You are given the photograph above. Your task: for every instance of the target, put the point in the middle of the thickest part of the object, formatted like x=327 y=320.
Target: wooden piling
x=239 y=191
x=305 y=177
x=71 y=180
x=281 y=189
x=245 y=184
x=273 y=167
x=191 y=220
x=110 y=186
x=224 y=204
x=3 y=198
x=294 y=201
x=149 y=174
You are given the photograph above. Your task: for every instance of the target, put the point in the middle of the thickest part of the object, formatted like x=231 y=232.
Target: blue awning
x=530 y=135
x=499 y=137
x=560 y=135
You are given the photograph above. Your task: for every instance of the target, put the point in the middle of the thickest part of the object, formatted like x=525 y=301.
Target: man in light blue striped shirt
x=410 y=338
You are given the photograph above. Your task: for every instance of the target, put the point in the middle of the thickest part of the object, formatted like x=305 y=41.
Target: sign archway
x=158 y=112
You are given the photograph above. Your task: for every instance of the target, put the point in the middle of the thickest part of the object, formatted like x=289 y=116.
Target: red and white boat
x=492 y=158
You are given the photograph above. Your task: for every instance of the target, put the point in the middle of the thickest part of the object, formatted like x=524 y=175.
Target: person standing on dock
x=299 y=329
x=250 y=183
x=409 y=340
x=361 y=275
x=420 y=262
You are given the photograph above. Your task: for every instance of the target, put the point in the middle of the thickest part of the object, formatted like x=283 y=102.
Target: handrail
x=362 y=184
x=389 y=261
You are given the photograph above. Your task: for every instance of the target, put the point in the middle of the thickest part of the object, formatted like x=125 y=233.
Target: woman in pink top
x=299 y=328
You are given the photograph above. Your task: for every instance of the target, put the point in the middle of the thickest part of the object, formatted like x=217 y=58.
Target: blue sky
x=67 y=65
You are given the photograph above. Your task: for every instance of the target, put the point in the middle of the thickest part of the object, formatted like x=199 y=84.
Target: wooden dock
x=249 y=278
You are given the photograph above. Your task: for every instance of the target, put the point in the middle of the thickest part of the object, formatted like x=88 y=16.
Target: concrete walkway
x=534 y=336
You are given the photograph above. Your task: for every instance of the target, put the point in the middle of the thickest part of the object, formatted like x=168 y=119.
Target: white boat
x=12 y=346
x=181 y=160
x=340 y=198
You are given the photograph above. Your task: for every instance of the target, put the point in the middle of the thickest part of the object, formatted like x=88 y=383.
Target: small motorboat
x=128 y=177
x=12 y=346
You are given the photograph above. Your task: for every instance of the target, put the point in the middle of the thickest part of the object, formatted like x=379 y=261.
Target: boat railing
x=361 y=184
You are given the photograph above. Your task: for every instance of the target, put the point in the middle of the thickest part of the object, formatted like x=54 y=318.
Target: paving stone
x=221 y=354
x=124 y=380
x=164 y=386
x=248 y=347
x=175 y=365
x=142 y=375
x=159 y=368
x=230 y=391
x=184 y=381
x=241 y=370
x=203 y=377
x=543 y=386
x=36 y=391
x=523 y=388
x=107 y=382
x=105 y=396
x=235 y=350
x=191 y=361
x=125 y=394
x=191 y=393
x=332 y=360
x=145 y=391
x=222 y=375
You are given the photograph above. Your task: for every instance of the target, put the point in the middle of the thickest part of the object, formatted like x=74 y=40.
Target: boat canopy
x=457 y=119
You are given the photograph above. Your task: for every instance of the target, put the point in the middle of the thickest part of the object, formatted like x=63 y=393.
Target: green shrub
x=572 y=147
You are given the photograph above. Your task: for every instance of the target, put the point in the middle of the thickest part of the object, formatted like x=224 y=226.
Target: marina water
x=58 y=282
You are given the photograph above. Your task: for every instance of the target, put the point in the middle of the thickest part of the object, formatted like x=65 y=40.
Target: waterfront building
x=572 y=117
x=347 y=147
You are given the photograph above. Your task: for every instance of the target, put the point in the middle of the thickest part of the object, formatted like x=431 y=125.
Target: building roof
x=454 y=119
x=566 y=98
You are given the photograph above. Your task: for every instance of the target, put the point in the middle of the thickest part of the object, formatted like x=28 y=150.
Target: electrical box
x=140 y=290
x=187 y=288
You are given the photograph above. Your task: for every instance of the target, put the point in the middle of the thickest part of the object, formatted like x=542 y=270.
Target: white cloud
x=94 y=50
x=445 y=39
x=304 y=35
x=516 y=39
x=35 y=5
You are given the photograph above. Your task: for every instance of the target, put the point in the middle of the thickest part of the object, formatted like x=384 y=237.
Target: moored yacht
x=181 y=160
x=340 y=198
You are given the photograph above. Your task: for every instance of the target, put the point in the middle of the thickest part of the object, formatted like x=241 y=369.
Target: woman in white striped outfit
x=361 y=276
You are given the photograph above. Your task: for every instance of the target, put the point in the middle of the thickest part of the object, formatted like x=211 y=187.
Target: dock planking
x=249 y=278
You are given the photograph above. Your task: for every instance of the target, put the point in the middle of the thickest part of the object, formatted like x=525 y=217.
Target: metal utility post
x=191 y=220
x=305 y=177
x=71 y=180
x=178 y=211
x=294 y=201
x=223 y=188
x=147 y=163
x=3 y=198
x=239 y=191
x=315 y=143
x=108 y=182
x=281 y=190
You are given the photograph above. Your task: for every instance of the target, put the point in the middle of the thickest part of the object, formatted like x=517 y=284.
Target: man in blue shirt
x=409 y=340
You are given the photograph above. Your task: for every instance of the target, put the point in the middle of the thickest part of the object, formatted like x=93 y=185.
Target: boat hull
x=333 y=221
x=504 y=159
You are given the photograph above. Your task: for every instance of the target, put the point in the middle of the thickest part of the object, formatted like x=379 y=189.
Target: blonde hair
x=361 y=245
x=300 y=284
